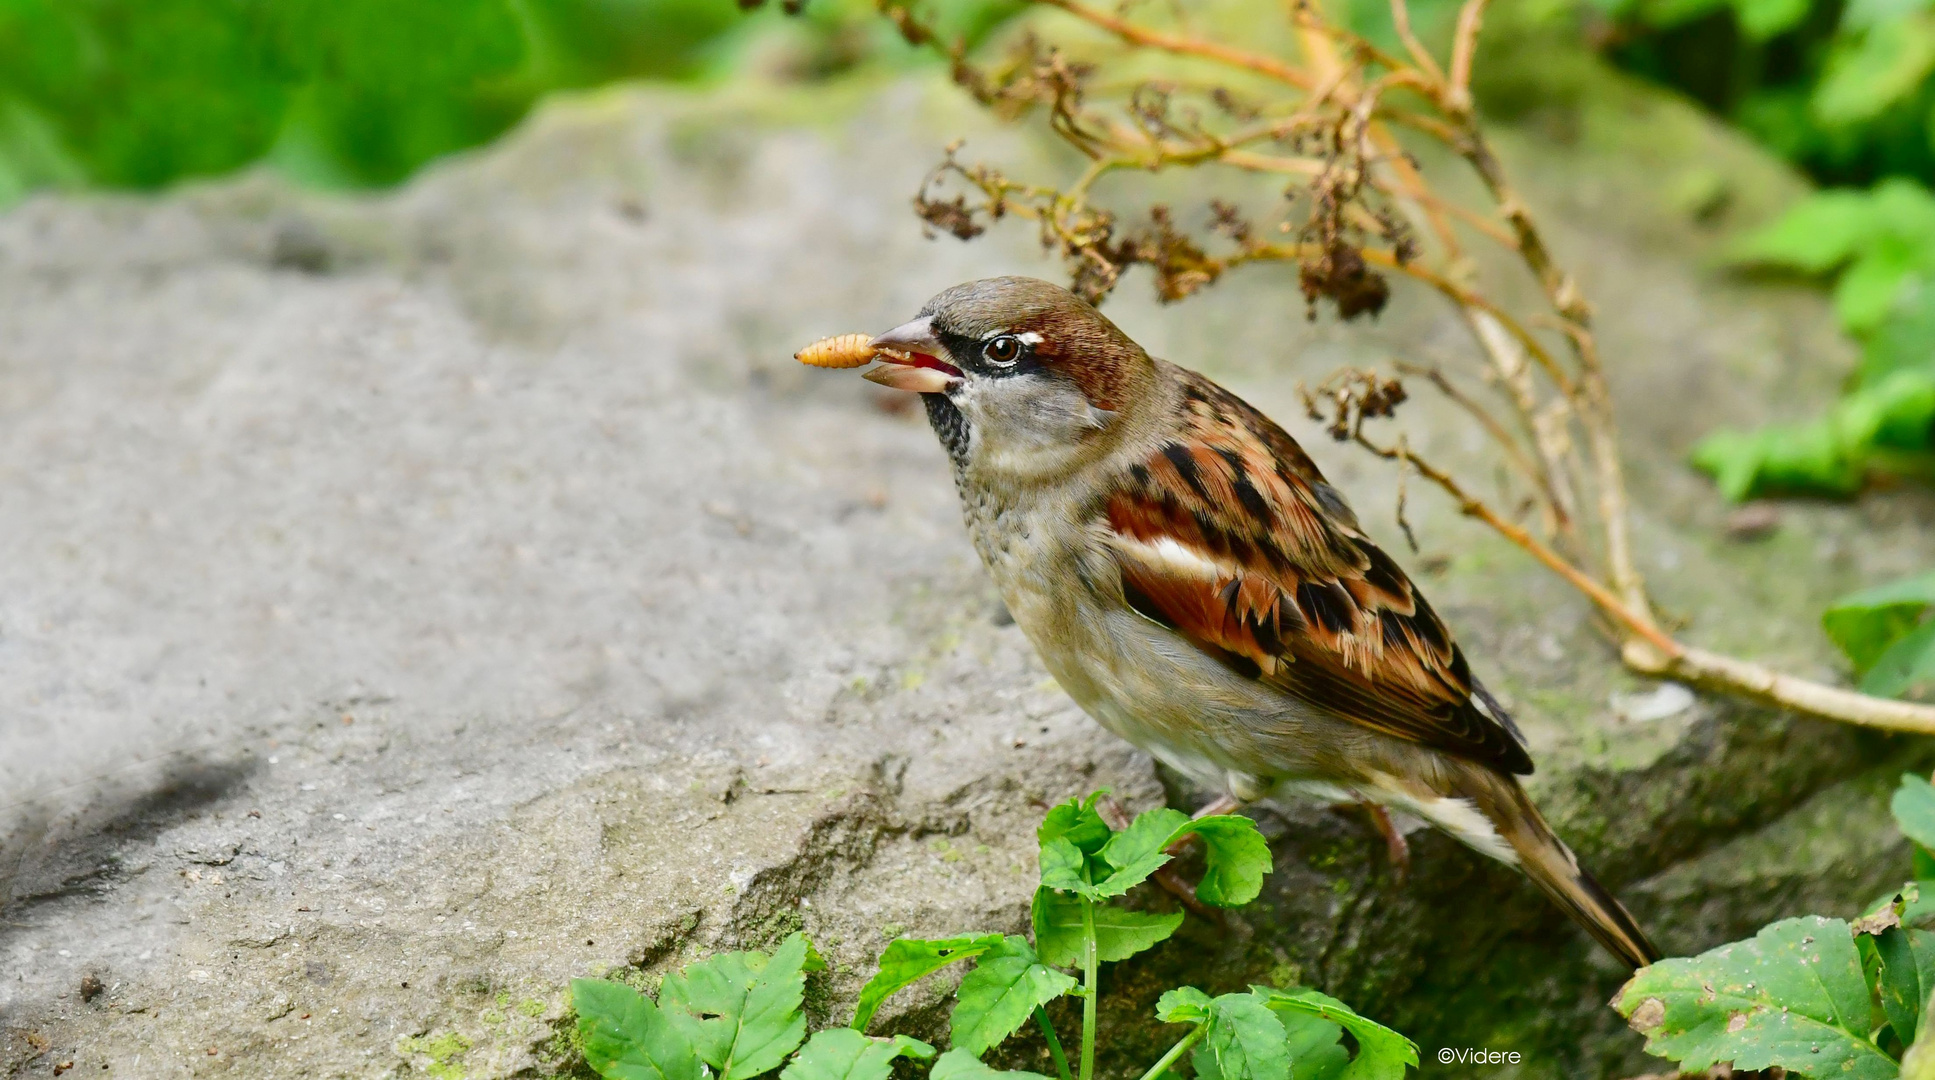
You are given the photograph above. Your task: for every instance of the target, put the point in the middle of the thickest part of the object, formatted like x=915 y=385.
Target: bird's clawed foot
x=1395 y=845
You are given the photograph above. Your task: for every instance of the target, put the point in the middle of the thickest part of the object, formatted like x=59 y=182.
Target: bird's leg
x=1394 y=842
x=1167 y=875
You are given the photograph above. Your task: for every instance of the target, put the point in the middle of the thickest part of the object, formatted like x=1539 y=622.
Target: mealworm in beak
x=841 y=351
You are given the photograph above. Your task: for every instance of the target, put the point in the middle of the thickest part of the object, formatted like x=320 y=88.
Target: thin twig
x=1514 y=453
x=1182 y=46
x=1464 y=46
x=1641 y=627
x=1401 y=18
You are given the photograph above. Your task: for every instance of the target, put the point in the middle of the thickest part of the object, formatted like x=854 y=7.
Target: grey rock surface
x=410 y=602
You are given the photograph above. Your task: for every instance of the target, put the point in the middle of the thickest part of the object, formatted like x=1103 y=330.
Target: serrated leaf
x=1076 y=821
x=846 y=1054
x=906 y=961
x=1001 y=993
x=1137 y=851
x=1245 y=1041
x=1062 y=866
x=1791 y=996
x=1236 y=856
x=958 y=1064
x=626 y=1037
x=1183 y=1005
x=741 y=1010
x=1382 y=1054
x=1119 y=934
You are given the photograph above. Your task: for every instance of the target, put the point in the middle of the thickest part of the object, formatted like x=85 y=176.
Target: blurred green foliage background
x=355 y=93
x=336 y=93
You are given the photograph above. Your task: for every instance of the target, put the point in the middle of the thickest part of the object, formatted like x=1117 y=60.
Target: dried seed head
x=842 y=351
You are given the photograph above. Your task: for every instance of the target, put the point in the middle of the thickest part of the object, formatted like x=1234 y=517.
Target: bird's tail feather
x=1556 y=870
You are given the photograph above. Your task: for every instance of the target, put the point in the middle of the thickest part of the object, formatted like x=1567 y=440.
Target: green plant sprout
x=738 y=1015
x=1817 y=997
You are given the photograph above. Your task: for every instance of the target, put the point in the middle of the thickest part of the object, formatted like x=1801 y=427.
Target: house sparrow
x=1192 y=581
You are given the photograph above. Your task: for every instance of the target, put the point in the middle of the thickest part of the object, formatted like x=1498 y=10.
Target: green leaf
x=1119 y=934
x=1316 y=1048
x=1238 y=858
x=1792 y=996
x=1809 y=457
x=1914 y=809
x=1918 y=898
x=1001 y=993
x=959 y=1064
x=741 y=1010
x=1062 y=866
x=1868 y=72
x=1908 y=667
x=909 y=960
x=845 y=1054
x=1866 y=623
x=1245 y=1041
x=1818 y=234
x=1905 y=342
x=1236 y=855
x=627 y=1038
x=1762 y=19
x=1900 y=986
x=1078 y=823
x=1830 y=455
x=1183 y=1005
x=1874 y=282
x=1137 y=851
x=1382 y=1053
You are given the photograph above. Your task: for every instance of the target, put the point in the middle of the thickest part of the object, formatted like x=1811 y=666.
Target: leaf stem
x=1089 y=989
x=1054 y=1044
x=1176 y=1051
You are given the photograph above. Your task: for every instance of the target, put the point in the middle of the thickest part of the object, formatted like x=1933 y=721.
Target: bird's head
x=1019 y=376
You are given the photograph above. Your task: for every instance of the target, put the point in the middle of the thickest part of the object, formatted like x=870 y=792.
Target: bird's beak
x=910 y=358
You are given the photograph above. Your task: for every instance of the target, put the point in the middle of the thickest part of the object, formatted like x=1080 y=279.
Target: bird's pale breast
x=1141 y=680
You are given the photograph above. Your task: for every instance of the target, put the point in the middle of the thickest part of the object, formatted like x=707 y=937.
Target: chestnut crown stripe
x=1230 y=536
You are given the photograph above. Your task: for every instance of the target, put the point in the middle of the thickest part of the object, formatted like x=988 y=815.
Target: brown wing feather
x=1231 y=536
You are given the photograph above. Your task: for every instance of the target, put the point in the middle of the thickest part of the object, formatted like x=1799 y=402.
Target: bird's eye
x=1002 y=350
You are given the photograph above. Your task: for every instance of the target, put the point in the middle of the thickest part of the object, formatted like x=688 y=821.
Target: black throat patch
x=950 y=425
